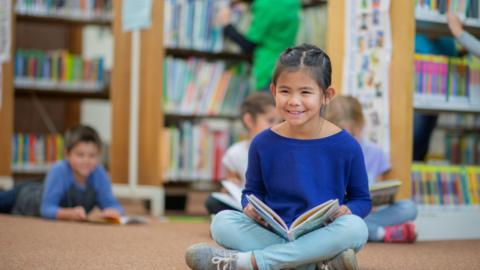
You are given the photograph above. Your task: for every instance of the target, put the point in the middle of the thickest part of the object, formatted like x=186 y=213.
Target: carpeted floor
x=31 y=243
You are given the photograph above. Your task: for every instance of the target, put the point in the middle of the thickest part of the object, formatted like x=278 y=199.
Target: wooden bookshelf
x=105 y=21
x=187 y=53
x=71 y=94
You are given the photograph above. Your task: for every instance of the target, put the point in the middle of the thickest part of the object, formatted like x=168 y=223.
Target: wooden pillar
x=120 y=98
x=6 y=108
x=150 y=99
x=402 y=19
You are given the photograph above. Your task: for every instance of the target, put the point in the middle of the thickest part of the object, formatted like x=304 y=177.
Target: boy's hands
x=110 y=213
x=250 y=211
x=342 y=210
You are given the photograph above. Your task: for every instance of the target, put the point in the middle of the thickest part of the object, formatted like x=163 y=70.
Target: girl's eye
x=306 y=92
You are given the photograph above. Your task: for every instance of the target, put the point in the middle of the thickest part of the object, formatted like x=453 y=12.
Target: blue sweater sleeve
x=254 y=184
x=56 y=184
x=103 y=189
x=358 y=196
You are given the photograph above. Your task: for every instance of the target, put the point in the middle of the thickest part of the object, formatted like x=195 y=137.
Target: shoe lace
x=325 y=266
x=227 y=260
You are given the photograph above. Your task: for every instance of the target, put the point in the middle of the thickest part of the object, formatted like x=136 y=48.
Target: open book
x=232 y=198
x=383 y=192
x=311 y=220
x=121 y=220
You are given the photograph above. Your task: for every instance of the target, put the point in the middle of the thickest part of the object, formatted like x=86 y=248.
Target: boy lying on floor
x=73 y=187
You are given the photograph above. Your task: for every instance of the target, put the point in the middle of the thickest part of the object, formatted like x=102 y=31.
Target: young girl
x=293 y=167
x=257 y=113
x=73 y=187
x=388 y=223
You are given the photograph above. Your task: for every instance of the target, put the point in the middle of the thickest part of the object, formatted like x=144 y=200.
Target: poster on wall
x=368 y=48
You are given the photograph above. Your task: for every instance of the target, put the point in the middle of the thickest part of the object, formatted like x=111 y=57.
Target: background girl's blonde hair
x=345 y=112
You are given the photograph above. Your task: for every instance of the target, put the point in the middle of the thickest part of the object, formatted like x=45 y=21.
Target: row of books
x=36 y=152
x=71 y=9
x=198 y=87
x=459 y=120
x=447 y=186
x=447 y=80
x=194 y=150
x=190 y=24
x=465 y=8
x=57 y=67
x=462 y=148
x=313 y=26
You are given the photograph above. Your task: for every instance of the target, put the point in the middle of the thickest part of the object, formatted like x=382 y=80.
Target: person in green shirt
x=273 y=28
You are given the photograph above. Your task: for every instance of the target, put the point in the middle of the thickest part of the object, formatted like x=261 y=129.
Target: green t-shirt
x=273 y=28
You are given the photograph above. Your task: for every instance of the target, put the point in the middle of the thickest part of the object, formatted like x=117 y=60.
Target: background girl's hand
x=224 y=16
x=342 y=210
x=454 y=24
x=250 y=211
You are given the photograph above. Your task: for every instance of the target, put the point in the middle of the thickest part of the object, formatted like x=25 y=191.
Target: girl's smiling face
x=298 y=98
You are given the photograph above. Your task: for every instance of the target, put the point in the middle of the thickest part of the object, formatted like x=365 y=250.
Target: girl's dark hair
x=81 y=133
x=307 y=57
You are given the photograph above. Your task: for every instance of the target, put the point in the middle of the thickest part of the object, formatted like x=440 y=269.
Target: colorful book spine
x=32 y=151
x=448 y=186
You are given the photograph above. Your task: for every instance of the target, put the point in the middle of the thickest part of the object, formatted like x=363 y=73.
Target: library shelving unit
x=447 y=195
x=32 y=101
x=51 y=78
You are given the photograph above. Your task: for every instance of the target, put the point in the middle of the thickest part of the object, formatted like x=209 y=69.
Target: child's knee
x=409 y=209
x=221 y=223
x=355 y=229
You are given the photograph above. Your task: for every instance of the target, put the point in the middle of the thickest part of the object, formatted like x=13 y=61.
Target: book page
x=228 y=200
x=316 y=212
x=385 y=184
x=233 y=189
x=272 y=218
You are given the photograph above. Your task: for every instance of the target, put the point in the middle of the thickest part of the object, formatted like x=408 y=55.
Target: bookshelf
x=446 y=191
x=36 y=100
x=455 y=90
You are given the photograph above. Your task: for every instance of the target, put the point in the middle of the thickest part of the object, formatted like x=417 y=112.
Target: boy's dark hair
x=308 y=57
x=256 y=103
x=81 y=133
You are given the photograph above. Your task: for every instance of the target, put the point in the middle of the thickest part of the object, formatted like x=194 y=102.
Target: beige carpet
x=31 y=243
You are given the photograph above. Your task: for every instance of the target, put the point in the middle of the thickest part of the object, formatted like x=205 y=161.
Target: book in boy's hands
x=313 y=219
x=122 y=220
x=383 y=192
x=232 y=198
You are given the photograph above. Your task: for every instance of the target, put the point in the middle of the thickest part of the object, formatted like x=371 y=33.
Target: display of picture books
x=384 y=192
x=311 y=220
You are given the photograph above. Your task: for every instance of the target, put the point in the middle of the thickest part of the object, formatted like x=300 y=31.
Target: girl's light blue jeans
x=388 y=215
x=234 y=230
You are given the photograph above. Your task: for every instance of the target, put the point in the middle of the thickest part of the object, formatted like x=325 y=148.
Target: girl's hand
x=110 y=213
x=224 y=16
x=454 y=24
x=342 y=210
x=250 y=211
